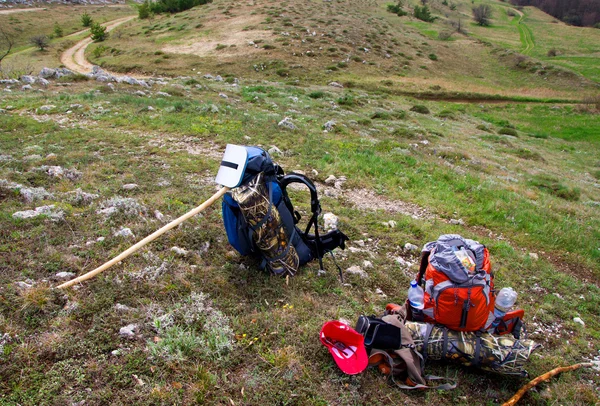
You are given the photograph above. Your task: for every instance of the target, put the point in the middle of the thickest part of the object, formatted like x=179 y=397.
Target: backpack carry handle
x=315 y=206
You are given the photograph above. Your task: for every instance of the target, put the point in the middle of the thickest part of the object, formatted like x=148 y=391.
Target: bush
x=419 y=108
x=86 y=20
x=554 y=187
x=347 y=100
x=98 y=32
x=423 y=14
x=144 y=10
x=508 y=131
x=552 y=52
x=444 y=35
x=58 y=31
x=397 y=8
x=316 y=95
x=433 y=57
x=173 y=6
x=482 y=14
x=40 y=41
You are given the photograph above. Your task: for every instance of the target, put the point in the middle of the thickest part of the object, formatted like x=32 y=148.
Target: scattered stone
x=5 y=158
x=209 y=76
x=31 y=194
x=329 y=126
x=78 y=197
x=367 y=264
x=402 y=262
x=122 y=308
x=158 y=215
x=578 y=320
x=179 y=251
x=360 y=243
x=47 y=73
x=28 y=79
x=275 y=151
x=390 y=224
x=459 y=222
x=50 y=211
x=124 y=232
x=130 y=186
x=100 y=239
x=60 y=172
x=315 y=172
x=330 y=221
x=64 y=275
x=223 y=95
x=125 y=205
x=34 y=157
x=357 y=270
x=140 y=93
x=26 y=87
x=219 y=78
x=330 y=180
x=534 y=256
x=163 y=94
x=294 y=99
x=380 y=292
x=47 y=107
x=23 y=285
x=43 y=82
x=335 y=84
x=60 y=72
x=128 y=331
x=287 y=123
x=410 y=247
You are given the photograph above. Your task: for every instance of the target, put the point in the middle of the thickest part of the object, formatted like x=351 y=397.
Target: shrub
x=98 y=32
x=268 y=46
x=552 y=52
x=444 y=35
x=446 y=114
x=508 y=131
x=384 y=115
x=347 y=100
x=86 y=20
x=40 y=41
x=144 y=10
x=364 y=121
x=554 y=187
x=316 y=94
x=58 y=31
x=419 y=108
x=424 y=14
x=433 y=57
x=397 y=8
x=283 y=72
x=482 y=14
x=220 y=46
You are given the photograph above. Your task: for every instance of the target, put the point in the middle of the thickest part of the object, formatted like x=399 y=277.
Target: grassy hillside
x=25 y=58
x=533 y=192
x=513 y=161
x=357 y=42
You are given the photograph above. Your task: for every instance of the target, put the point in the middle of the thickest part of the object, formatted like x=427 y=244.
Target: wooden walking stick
x=230 y=175
x=512 y=401
x=146 y=240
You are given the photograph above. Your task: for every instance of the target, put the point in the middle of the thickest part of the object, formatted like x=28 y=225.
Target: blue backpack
x=308 y=246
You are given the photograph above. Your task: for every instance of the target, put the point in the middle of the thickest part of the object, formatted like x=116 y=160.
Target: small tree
x=40 y=41
x=58 y=31
x=86 y=20
x=482 y=14
x=6 y=43
x=98 y=32
x=144 y=10
x=423 y=13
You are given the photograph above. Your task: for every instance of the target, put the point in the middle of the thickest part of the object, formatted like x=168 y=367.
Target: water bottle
x=415 y=299
x=504 y=302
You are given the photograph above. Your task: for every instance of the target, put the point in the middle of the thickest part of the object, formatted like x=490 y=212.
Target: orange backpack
x=459 y=283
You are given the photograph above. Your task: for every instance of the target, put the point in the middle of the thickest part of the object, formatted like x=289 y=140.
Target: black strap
x=445 y=342
x=426 y=340
x=477 y=359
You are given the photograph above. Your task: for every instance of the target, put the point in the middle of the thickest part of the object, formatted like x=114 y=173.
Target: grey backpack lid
x=445 y=260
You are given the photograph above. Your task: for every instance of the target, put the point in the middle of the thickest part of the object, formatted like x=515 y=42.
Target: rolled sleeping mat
x=502 y=354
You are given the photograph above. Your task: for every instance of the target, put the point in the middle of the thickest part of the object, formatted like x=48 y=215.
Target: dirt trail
x=74 y=57
x=524 y=33
x=20 y=10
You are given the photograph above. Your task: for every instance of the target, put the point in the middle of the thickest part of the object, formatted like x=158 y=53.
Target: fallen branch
x=543 y=378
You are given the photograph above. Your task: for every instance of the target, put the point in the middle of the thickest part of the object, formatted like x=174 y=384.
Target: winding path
x=525 y=33
x=74 y=57
x=20 y=10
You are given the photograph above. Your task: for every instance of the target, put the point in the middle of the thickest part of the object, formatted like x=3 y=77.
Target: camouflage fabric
x=503 y=354
x=270 y=237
